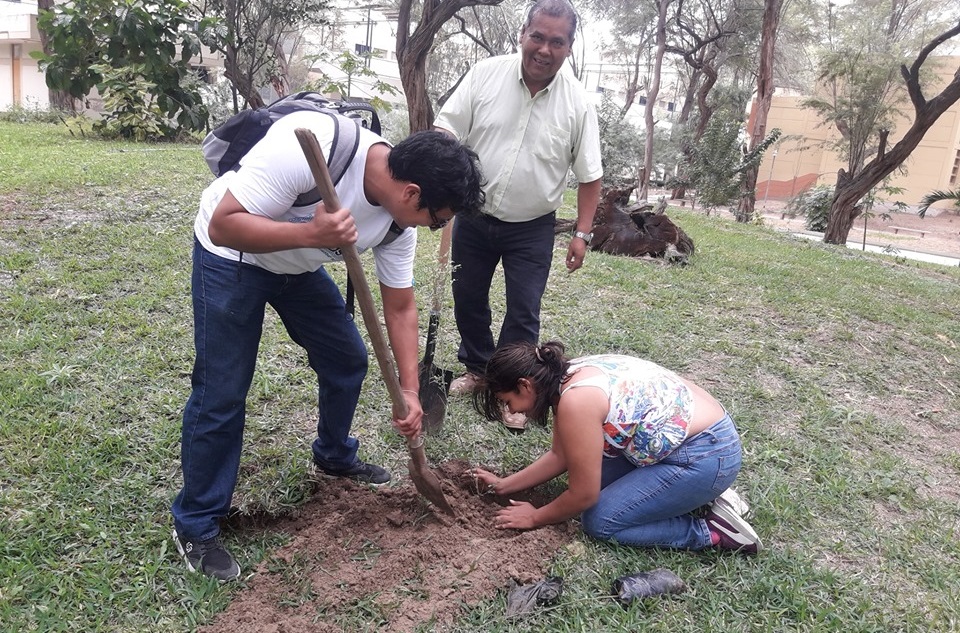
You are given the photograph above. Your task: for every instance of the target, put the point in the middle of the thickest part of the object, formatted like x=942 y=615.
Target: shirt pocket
x=553 y=144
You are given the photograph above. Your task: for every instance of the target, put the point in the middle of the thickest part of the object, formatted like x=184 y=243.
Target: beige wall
x=801 y=161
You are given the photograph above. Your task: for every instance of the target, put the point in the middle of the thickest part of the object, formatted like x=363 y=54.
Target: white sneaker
x=465 y=385
x=730 y=500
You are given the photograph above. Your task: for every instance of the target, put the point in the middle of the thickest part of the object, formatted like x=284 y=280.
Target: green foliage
x=252 y=35
x=89 y=37
x=621 y=145
x=814 y=205
x=717 y=163
x=131 y=111
x=31 y=113
x=937 y=196
x=353 y=66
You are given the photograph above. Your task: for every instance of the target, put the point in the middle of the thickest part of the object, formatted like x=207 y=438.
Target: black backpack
x=226 y=145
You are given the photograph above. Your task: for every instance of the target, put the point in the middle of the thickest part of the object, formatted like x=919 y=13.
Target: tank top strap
x=602 y=381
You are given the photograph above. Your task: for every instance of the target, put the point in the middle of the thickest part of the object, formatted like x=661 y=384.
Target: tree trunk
x=59 y=99
x=414 y=49
x=652 y=94
x=851 y=188
x=771 y=19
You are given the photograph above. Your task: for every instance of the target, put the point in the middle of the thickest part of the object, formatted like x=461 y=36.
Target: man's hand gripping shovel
x=425 y=480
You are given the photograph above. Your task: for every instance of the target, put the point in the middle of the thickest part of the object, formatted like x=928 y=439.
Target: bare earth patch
x=360 y=556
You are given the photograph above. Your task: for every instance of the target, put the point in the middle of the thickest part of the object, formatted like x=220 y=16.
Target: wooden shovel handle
x=318 y=165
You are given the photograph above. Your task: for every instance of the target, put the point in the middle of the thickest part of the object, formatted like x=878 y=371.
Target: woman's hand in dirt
x=486 y=481
x=517 y=516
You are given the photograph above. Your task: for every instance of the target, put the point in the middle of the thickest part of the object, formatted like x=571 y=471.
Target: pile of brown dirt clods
x=386 y=559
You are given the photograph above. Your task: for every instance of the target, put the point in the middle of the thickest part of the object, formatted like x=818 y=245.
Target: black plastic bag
x=646 y=585
x=524 y=599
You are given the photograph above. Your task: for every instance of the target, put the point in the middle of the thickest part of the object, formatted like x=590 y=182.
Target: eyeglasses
x=436 y=223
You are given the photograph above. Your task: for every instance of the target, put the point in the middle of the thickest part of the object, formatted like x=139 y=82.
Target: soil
x=385 y=554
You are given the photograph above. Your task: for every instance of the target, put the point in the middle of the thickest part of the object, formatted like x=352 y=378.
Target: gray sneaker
x=208 y=557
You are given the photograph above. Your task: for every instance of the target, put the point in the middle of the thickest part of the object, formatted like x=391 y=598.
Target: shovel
x=435 y=381
x=425 y=480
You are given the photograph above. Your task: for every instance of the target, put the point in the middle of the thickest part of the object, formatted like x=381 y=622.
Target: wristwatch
x=586 y=237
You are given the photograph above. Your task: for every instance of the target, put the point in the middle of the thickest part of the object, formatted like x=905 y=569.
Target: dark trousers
x=479 y=245
x=229 y=301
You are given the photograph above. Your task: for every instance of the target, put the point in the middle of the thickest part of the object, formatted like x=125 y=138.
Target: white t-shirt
x=271 y=176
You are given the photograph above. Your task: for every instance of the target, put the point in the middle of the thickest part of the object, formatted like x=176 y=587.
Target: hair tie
x=536 y=350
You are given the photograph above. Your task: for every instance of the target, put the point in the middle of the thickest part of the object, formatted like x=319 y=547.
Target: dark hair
x=554 y=9
x=545 y=366
x=447 y=171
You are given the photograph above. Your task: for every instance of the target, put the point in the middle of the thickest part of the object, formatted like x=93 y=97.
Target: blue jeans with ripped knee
x=650 y=506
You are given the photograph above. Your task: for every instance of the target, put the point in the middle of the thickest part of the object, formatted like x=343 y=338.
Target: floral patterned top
x=650 y=406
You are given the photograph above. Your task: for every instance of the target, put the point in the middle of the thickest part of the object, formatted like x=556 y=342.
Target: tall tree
x=652 y=93
x=862 y=93
x=59 y=98
x=413 y=49
x=255 y=37
x=631 y=45
x=852 y=187
x=472 y=34
x=761 y=105
x=701 y=38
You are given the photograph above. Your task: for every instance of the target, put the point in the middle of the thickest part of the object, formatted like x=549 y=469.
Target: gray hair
x=554 y=9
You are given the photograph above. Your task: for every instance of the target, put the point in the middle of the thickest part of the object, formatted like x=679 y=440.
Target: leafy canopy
x=88 y=37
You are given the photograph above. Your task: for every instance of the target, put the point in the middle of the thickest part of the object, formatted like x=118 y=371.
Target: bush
x=814 y=205
x=30 y=113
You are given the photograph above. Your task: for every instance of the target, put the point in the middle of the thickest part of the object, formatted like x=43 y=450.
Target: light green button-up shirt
x=526 y=144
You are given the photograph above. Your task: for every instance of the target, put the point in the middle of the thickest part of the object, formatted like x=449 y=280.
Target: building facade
x=21 y=80
x=801 y=160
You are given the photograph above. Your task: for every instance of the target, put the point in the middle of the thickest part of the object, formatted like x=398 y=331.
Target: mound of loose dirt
x=417 y=565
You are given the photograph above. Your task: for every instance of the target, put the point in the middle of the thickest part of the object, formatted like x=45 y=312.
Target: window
x=956 y=168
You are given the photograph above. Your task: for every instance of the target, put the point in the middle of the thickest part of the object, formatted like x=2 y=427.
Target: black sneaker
x=208 y=557
x=360 y=471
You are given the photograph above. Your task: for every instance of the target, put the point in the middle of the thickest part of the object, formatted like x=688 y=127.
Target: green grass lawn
x=841 y=369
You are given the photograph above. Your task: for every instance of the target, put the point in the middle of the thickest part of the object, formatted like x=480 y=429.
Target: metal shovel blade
x=434 y=381
x=425 y=480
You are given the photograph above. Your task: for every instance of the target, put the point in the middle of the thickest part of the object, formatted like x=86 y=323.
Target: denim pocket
x=728 y=466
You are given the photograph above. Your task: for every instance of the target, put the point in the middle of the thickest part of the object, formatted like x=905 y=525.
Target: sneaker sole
x=744 y=533
x=732 y=501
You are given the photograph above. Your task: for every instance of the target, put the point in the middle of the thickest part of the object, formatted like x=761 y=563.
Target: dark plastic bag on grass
x=524 y=599
x=646 y=585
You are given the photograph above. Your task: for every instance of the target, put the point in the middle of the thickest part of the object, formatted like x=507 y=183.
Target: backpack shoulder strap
x=346 y=141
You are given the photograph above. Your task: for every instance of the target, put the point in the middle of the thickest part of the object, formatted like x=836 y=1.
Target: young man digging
x=254 y=247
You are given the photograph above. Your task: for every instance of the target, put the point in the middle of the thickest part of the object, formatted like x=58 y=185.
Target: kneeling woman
x=643 y=449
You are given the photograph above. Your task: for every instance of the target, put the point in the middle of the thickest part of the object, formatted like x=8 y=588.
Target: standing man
x=529 y=120
x=254 y=246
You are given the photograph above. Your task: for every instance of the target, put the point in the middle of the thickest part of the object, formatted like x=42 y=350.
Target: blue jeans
x=229 y=302
x=478 y=246
x=650 y=506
